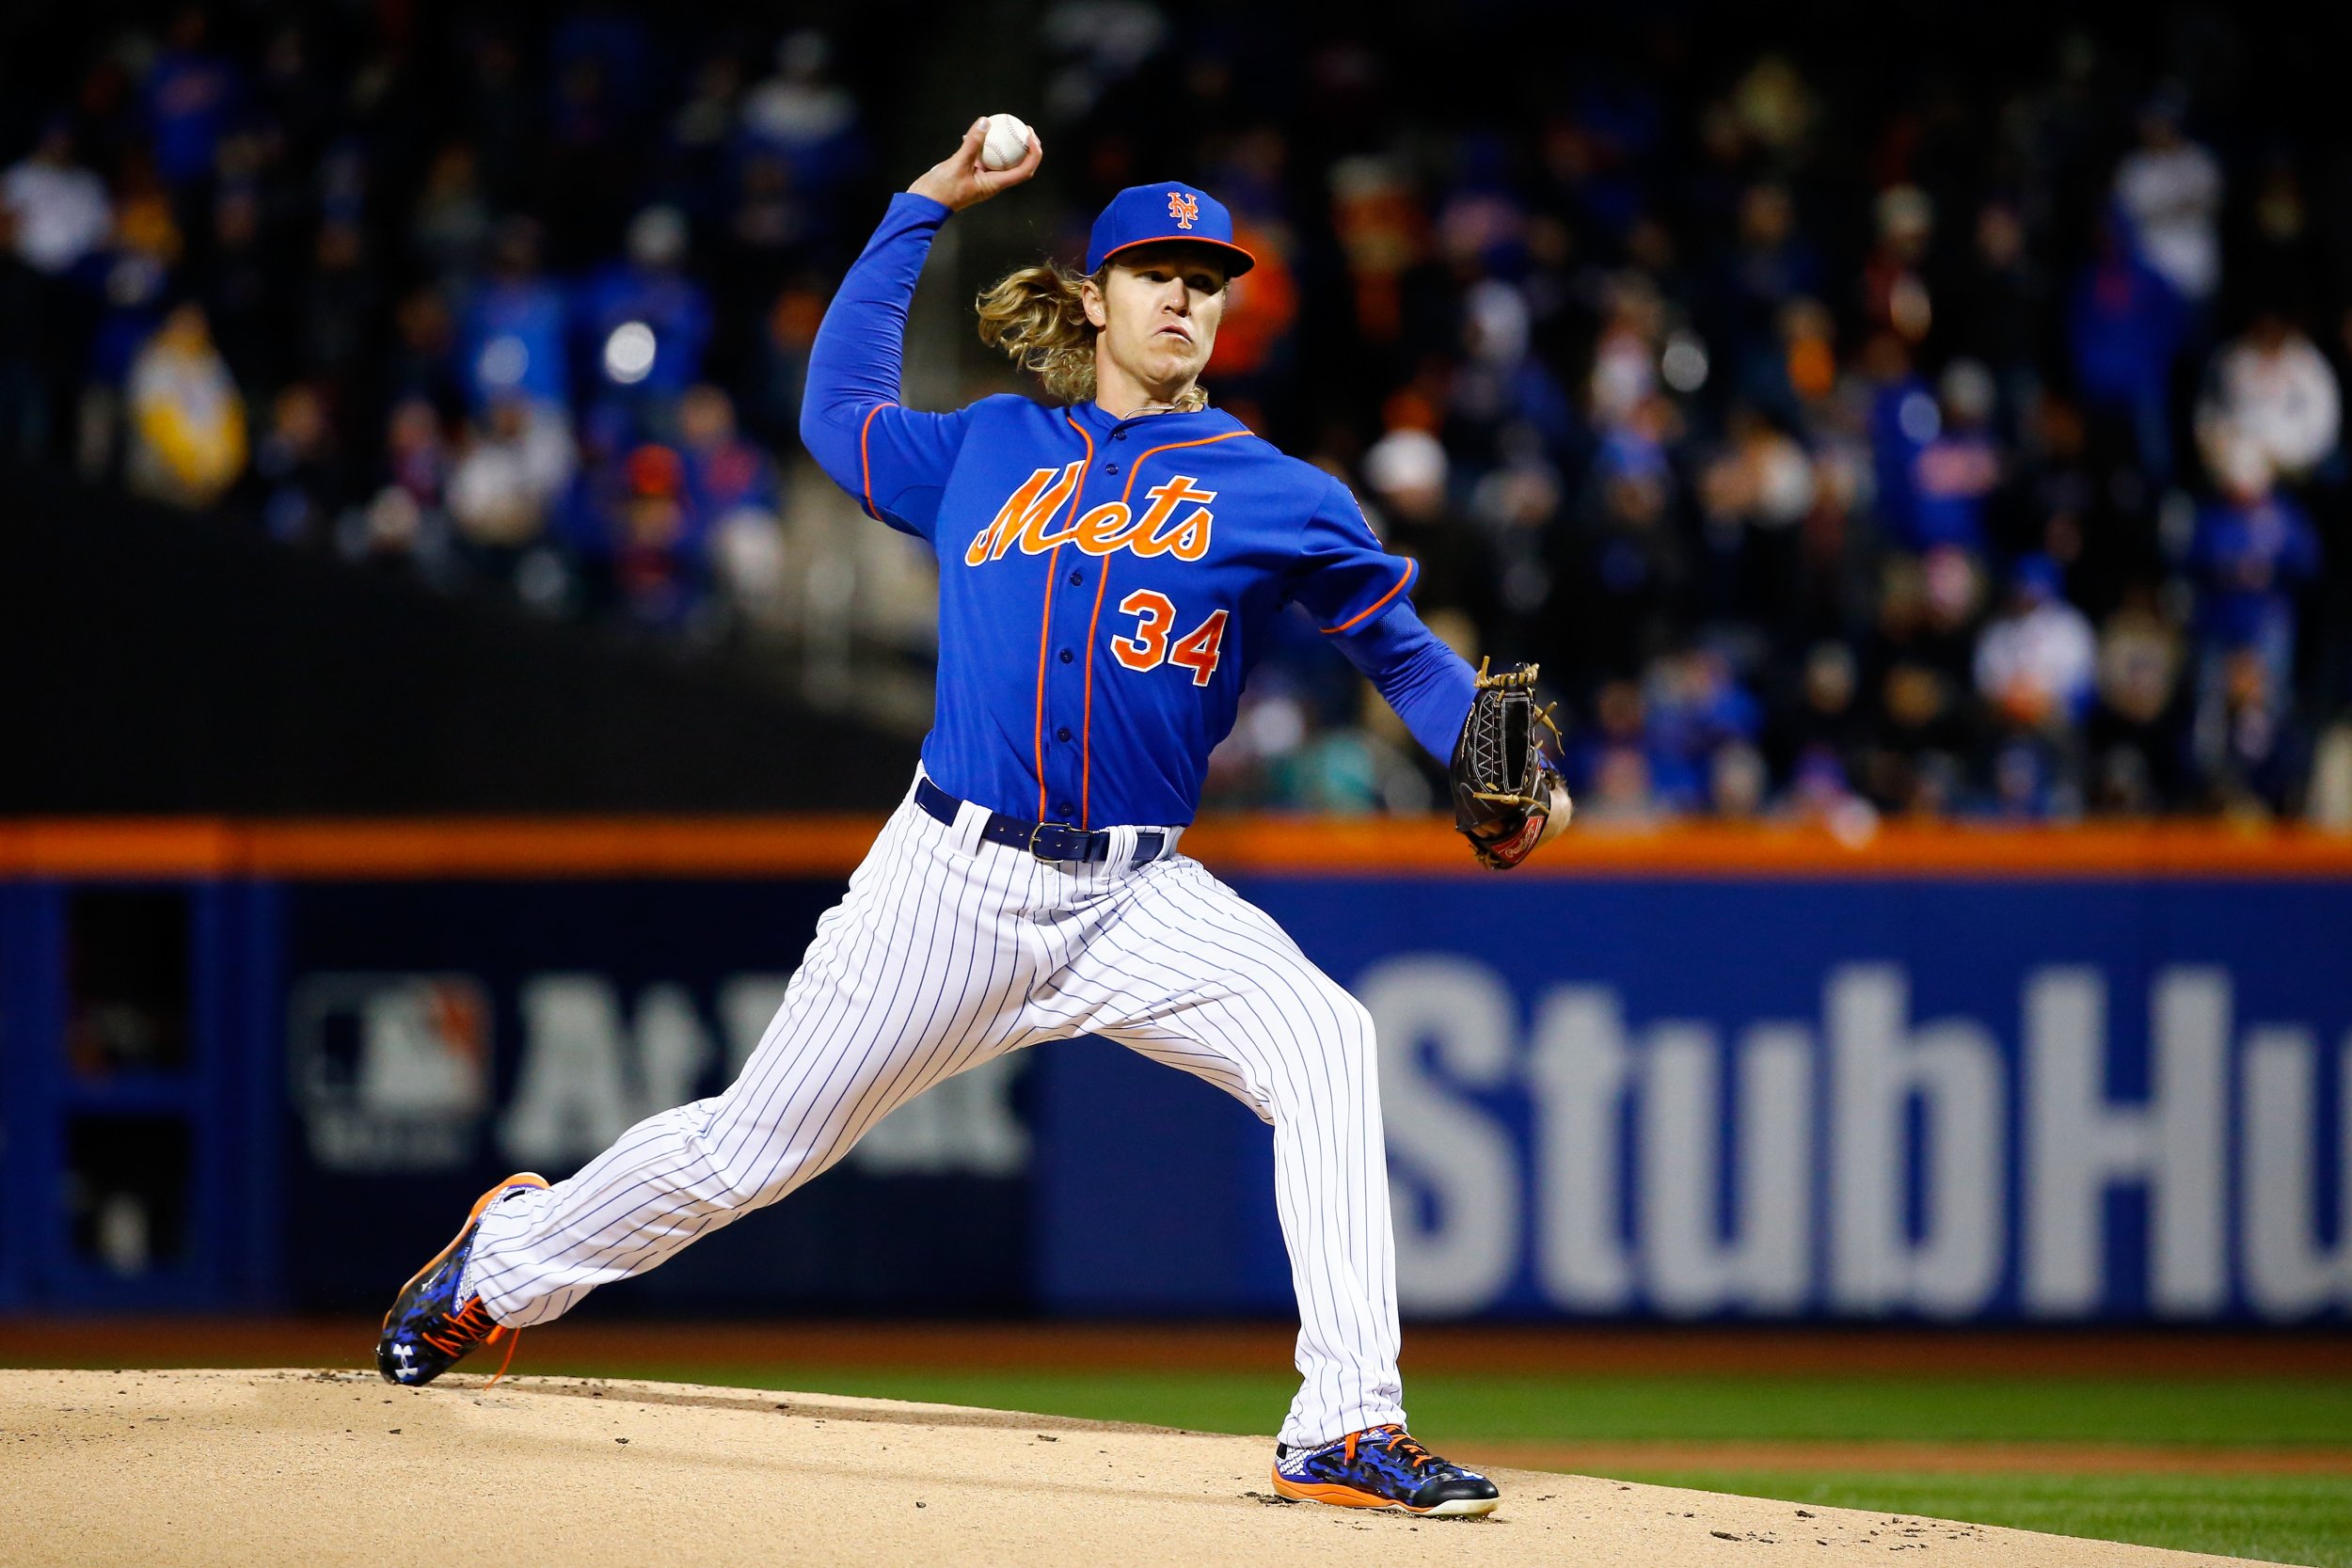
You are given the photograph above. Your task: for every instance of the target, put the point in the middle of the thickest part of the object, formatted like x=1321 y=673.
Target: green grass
x=2237 y=1411
x=2302 y=1519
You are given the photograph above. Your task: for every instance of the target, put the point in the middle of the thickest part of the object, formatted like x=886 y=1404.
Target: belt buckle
x=1037 y=829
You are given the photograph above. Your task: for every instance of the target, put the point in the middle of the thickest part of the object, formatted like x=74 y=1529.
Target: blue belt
x=1047 y=840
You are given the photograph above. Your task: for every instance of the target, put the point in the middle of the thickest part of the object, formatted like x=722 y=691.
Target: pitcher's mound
x=254 y=1469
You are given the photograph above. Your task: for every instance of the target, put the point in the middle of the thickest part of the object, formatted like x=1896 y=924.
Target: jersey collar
x=1183 y=427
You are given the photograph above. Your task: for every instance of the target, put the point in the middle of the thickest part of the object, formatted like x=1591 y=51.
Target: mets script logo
x=1034 y=518
x=1183 y=208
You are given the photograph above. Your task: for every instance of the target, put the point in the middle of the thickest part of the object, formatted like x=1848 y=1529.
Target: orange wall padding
x=502 y=847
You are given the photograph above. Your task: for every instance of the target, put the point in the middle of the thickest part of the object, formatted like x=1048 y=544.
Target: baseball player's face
x=1158 y=307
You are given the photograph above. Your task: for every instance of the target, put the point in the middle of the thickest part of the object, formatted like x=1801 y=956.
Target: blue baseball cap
x=1144 y=214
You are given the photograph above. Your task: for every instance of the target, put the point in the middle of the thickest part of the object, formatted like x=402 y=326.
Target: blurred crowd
x=1945 y=426
x=516 y=305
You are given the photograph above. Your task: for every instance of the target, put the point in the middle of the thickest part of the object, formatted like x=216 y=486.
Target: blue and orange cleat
x=428 y=1330
x=1382 y=1468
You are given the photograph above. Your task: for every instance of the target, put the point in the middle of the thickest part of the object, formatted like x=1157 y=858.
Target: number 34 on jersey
x=1198 y=650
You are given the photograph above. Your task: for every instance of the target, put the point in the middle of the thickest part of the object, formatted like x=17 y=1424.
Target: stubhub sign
x=1861 y=1162
x=1964 y=1100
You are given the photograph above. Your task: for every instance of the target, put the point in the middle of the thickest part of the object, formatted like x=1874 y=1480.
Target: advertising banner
x=1940 y=1096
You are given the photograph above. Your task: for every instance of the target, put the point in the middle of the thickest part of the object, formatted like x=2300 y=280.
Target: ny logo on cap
x=1183 y=209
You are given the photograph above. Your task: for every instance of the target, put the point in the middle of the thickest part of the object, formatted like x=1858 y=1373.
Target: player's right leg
x=1189 y=973
x=915 y=975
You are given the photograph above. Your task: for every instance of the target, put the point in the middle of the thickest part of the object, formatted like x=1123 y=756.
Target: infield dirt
x=263 y=1469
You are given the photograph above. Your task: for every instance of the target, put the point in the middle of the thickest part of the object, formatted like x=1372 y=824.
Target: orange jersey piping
x=865 y=463
x=1086 y=723
x=1045 y=623
x=1377 y=605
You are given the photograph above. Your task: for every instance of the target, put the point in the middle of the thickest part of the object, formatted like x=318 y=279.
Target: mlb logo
x=1183 y=208
x=390 y=1073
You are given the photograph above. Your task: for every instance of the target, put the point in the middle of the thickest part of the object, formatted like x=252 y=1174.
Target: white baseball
x=1008 y=142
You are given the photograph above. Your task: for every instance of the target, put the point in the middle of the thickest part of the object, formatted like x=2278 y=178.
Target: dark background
x=1756 y=370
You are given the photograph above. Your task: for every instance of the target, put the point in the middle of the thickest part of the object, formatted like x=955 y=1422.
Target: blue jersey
x=1104 y=584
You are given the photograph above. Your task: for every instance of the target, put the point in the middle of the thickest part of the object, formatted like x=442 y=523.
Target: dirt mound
x=259 y=1469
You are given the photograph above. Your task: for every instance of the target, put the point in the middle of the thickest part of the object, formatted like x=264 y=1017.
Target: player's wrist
x=934 y=191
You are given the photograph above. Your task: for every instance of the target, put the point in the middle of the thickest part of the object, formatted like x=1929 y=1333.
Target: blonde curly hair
x=1036 y=317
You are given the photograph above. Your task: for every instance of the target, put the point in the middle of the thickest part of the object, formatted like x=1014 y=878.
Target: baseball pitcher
x=1110 y=564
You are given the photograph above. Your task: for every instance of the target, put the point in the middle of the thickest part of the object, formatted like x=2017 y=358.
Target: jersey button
x=1062 y=734
x=1061 y=808
x=1076 y=579
x=1110 y=468
x=1066 y=655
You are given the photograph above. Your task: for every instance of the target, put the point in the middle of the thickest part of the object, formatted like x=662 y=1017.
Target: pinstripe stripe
x=936 y=961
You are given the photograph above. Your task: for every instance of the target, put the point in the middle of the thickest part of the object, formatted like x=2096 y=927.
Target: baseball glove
x=1507 y=798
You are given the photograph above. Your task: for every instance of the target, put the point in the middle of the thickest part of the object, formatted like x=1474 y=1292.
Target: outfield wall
x=1988 y=1077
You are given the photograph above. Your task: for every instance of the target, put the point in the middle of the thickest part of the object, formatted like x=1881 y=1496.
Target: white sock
x=465 y=1283
x=465 y=1276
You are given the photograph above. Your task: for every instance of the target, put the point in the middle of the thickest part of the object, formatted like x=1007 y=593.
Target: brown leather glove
x=1508 y=798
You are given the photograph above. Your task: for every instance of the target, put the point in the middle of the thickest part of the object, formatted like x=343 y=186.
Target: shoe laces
x=1402 y=1443
x=469 y=1326
x=1397 y=1441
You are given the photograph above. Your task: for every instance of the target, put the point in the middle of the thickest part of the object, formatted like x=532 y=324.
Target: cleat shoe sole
x=1349 y=1497
x=1461 y=1507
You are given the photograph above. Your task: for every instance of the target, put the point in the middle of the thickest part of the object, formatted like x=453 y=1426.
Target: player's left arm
x=1361 y=596
x=1362 y=599
x=1426 y=682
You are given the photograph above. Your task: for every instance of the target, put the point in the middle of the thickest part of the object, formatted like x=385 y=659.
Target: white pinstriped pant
x=947 y=951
